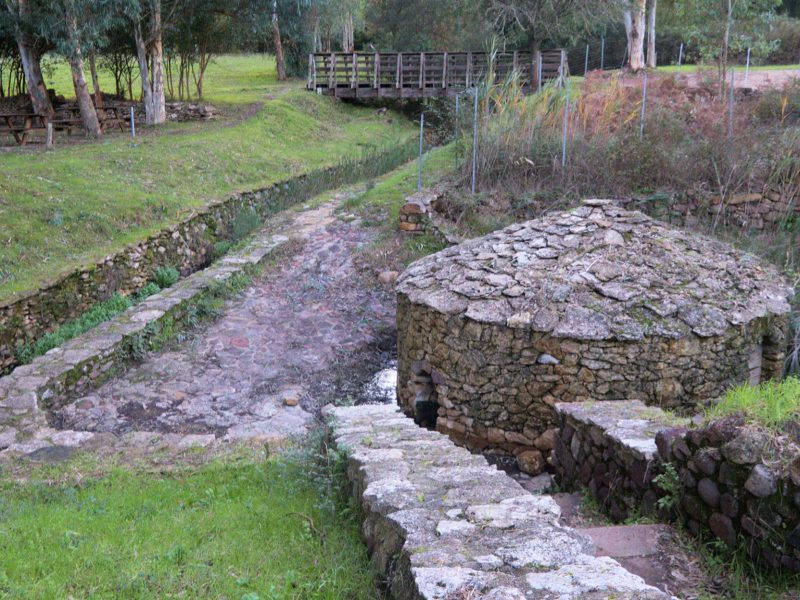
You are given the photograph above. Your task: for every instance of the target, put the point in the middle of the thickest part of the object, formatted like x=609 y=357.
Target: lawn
x=73 y=206
x=229 y=79
x=243 y=529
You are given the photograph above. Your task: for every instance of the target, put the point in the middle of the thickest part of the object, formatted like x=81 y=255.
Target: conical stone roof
x=599 y=272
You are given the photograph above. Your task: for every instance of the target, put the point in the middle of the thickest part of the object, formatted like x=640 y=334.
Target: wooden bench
x=67 y=117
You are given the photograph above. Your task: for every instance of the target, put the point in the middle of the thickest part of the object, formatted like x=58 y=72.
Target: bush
x=784 y=36
x=165 y=277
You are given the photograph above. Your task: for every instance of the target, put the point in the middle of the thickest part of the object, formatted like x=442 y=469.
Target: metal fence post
x=680 y=55
x=421 y=144
x=602 y=53
x=133 y=123
x=644 y=107
x=747 y=67
x=730 y=103
x=539 y=77
x=566 y=127
x=475 y=142
x=458 y=116
x=586 y=61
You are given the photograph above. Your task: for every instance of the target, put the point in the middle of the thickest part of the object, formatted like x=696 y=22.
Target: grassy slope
x=234 y=529
x=77 y=204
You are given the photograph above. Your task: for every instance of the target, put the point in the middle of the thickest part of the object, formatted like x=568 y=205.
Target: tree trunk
x=726 y=40
x=33 y=77
x=144 y=71
x=635 y=28
x=98 y=95
x=88 y=113
x=651 y=35
x=280 y=61
x=157 y=54
x=348 y=35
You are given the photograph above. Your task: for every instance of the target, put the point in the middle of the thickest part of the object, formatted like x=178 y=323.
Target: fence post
x=539 y=77
x=680 y=55
x=566 y=127
x=730 y=103
x=49 y=136
x=602 y=53
x=644 y=107
x=747 y=67
x=133 y=123
x=586 y=61
x=421 y=143
x=475 y=142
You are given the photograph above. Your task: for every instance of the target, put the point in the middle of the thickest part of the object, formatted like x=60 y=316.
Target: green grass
x=233 y=529
x=771 y=403
x=71 y=207
x=229 y=79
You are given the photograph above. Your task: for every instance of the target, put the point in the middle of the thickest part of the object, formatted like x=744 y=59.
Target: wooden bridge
x=426 y=74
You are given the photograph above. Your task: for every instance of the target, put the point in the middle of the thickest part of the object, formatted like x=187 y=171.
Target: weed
x=99 y=313
x=670 y=484
x=147 y=290
x=165 y=277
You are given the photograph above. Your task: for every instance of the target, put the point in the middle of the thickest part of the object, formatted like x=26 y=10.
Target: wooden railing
x=426 y=74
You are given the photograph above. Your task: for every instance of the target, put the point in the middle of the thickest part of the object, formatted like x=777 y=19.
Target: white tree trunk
x=651 y=34
x=159 y=99
x=635 y=28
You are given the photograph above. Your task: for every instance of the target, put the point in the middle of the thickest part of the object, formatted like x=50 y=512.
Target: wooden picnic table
x=66 y=118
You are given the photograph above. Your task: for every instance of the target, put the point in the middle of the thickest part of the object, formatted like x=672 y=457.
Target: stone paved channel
x=254 y=372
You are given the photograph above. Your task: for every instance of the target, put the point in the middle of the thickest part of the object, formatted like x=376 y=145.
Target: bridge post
x=422 y=72
x=376 y=71
x=354 y=78
x=399 y=69
x=332 y=72
x=469 y=70
x=444 y=73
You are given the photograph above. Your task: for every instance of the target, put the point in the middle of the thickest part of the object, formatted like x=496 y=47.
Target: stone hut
x=596 y=303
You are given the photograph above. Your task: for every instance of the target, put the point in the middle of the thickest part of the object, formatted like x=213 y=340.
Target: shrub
x=147 y=291
x=165 y=277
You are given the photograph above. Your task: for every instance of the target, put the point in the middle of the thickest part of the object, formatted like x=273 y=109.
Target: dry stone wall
x=725 y=480
x=50 y=380
x=597 y=303
x=441 y=524
x=764 y=211
x=187 y=246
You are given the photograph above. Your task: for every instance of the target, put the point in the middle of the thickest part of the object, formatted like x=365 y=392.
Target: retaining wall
x=726 y=480
x=186 y=246
x=441 y=524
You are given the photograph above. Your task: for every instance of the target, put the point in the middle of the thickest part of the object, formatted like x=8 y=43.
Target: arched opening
x=426 y=406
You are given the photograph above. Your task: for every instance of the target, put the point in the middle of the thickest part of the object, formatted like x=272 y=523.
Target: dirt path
x=262 y=369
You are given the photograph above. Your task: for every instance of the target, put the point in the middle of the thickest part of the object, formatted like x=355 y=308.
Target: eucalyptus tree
x=20 y=17
x=76 y=28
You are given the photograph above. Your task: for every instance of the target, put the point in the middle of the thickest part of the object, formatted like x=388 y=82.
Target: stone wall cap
x=599 y=272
